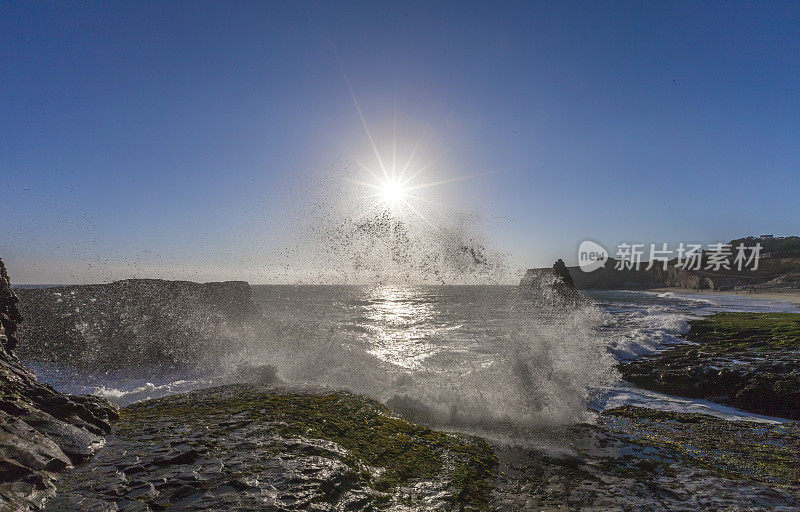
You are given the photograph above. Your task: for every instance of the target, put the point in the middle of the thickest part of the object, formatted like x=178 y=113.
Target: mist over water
x=475 y=356
x=503 y=360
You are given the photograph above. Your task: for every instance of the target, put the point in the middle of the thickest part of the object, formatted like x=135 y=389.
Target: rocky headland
x=136 y=322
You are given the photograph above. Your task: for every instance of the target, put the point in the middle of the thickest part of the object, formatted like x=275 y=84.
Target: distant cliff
x=131 y=323
x=779 y=267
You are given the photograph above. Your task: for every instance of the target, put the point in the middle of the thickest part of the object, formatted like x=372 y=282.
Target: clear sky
x=192 y=139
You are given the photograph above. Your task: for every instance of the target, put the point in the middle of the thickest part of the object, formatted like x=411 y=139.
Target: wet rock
x=644 y=459
x=553 y=285
x=137 y=322
x=747 y=360
x=145 y=490
x=334 y=451
x=42 y=431
x=186 y=457
x=248 y=448
x=560 y=269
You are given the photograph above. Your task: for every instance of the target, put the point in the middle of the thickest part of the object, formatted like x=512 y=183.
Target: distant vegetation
x=785 y=246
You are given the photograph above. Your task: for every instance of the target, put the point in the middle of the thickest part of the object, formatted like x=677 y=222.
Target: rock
x=553 y=285
x=246 y=447
x=561 y=271
x=42 y=431
x=133 y=323
x=273 y=449
x=644 y=459
x=186 y=457
x=747 y=360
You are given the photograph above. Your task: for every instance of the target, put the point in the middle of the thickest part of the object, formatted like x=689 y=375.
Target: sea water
x=472 y=357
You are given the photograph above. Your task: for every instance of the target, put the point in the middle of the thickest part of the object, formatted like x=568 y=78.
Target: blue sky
x=193 y=139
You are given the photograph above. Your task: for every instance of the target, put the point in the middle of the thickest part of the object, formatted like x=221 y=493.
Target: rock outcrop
x=251 y=448
x=133 y=323
x=747 y=360
x=606 y=277
x=553 y=284
x=42 y=431
x=243 y=447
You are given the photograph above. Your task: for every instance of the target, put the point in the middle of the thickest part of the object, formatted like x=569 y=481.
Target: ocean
x=489 y=359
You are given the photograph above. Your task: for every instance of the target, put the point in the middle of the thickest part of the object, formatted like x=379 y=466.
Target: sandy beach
x=788 y=294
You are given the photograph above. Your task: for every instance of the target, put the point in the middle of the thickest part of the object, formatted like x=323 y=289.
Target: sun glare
x=392 y=191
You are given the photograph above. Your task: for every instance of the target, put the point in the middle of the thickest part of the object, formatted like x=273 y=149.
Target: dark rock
x=145 y=490
x=747 y=360
x=186 y=457
x=552 y=285
x=133 y=323
x=561 y=271
x=335 y=451
x=242 y=447
x=42 y=431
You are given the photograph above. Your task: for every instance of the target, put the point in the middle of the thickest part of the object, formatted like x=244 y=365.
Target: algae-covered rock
x=644 y=459
x=246 y=448
x=748 y=360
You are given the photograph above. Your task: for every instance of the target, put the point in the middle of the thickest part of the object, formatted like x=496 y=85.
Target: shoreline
x=789 y=295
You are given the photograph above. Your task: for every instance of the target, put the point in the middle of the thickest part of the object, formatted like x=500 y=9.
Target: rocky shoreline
x=243 y=447
x=746 y=360
x=42 y=432
x=262 y=447
x=248 y=448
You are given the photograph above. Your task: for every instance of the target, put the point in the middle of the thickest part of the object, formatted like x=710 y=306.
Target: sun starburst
x=393 y=191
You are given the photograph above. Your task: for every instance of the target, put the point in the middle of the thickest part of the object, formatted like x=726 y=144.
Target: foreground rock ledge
x=241 y=447
x=42 y=432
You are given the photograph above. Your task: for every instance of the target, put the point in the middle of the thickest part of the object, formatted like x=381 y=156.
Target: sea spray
x=540 y=369
x=386 y=248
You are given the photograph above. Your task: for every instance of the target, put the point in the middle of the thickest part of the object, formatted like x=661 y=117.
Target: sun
x=392 y=191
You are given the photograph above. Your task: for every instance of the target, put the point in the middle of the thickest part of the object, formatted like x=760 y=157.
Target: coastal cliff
x=778 y=267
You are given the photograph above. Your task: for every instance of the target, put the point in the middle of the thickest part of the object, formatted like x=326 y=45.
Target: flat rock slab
x=244 y=448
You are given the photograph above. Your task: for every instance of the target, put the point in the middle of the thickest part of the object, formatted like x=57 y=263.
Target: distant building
x=767 y=236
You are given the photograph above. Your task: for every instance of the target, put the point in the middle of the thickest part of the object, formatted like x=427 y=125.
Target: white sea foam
x=146 y=391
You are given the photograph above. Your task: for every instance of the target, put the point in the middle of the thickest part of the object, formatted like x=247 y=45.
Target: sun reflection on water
x=400 y=325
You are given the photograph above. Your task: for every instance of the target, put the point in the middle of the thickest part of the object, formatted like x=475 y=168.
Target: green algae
x=372 y=435
x=729 y=332
x=747 y=360
x=766 y=453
